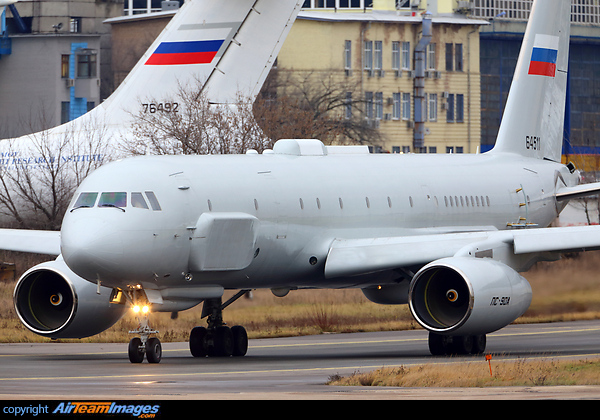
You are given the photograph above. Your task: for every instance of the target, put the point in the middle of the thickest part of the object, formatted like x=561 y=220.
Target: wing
x=32 y=241
x=351 y=257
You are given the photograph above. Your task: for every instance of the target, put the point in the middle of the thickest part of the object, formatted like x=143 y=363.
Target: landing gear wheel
x=479 y=344
x=198 y=345
x=438 y=344
x=462 y=344
x=222 y=342
x=240 y=341
x=153 y=350
x=136 y=350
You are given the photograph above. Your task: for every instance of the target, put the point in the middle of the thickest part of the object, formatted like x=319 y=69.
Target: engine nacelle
x=54 y=302
x=467 y=296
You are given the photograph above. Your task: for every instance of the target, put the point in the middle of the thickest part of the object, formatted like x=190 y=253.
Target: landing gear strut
x=144 y=345
x=440 y=345
x=217 y=339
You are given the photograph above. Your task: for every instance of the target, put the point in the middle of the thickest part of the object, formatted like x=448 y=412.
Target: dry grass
x=477 y=374
x=565 y=290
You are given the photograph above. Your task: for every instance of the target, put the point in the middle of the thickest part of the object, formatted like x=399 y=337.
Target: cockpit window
x=86 y=199
x=153 y=201
x=113 y=199
x=137 y=200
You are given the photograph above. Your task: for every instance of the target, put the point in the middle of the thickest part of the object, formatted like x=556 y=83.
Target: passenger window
x=137 y=200
x=153 y=201
x=113 y=199
x=86 y=200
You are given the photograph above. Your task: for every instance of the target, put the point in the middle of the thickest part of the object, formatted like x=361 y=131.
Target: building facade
x=374 y=51
x=55 y=64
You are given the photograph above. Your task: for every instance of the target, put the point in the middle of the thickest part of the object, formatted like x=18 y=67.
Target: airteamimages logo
x=141 y=411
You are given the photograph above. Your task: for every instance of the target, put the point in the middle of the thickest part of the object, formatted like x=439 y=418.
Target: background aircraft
x=446 y=234
x=229 y=46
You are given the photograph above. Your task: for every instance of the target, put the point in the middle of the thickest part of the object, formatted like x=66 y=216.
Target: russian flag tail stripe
x=188 y=47
x=543 y=62
x=540 y=68
x=181 y=58
x=545 y=55
x=187 y=52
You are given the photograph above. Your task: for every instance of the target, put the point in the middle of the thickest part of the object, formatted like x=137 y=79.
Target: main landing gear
x=440 y=345
x=217 y=339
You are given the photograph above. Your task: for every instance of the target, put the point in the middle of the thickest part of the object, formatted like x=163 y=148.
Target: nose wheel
x=144 y=345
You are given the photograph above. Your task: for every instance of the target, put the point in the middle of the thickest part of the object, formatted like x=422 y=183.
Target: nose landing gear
x=144 y=345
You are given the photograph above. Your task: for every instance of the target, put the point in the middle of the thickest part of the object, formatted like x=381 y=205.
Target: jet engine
x=467 y=296
x=54 y=302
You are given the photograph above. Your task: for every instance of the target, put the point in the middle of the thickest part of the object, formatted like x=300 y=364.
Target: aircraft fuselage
x=288 y=210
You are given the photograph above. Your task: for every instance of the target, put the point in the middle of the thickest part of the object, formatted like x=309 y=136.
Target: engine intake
x=467 y=296
x=54 y=302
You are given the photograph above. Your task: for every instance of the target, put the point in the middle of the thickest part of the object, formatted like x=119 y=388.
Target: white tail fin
x=229 y=45
x=533 y=120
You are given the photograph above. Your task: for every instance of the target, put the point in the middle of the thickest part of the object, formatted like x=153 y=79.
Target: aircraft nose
x=91 y=248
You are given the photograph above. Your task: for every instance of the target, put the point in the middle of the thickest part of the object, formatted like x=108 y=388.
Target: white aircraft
x=228 y=45
x=7 y=2
x=446 y=234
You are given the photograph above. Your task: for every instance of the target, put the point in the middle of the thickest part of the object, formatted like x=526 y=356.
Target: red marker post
x=488 y=357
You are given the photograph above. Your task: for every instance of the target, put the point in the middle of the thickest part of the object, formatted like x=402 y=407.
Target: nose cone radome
x=91 y=248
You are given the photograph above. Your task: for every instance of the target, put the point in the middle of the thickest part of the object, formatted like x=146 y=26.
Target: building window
x=460 y=108
x=75 y=25
x=449 y=57
x=379 y=105
x=433 y=149
x=406 y=56
x=397 y=108
x=65 y=112
x=431 y=56
x=433 y=99
x=458 y=54
x=378 y=55
x=368 y=55
x=86 y=66
x=406 y=106
x=369 y=105
x=395 y=55
x=64 y=66
x=341 y=4
x=348 y=106
x=450 y=150
x=348 y=55
x=450 y=108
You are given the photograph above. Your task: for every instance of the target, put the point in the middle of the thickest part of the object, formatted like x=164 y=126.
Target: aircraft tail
x=533 y=120
x=228 y=45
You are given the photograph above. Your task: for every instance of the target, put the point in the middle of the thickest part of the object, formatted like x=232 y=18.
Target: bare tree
x=190 y=124
x=40 y=172
x=321 y=105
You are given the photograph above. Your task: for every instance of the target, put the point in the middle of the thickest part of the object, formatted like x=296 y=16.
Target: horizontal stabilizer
x=584 y=190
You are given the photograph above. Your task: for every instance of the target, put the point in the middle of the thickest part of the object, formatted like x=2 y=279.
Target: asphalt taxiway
x=280 y=368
